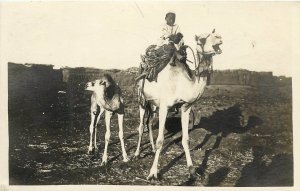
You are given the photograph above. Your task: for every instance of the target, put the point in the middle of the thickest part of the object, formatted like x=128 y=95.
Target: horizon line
x=90 y=67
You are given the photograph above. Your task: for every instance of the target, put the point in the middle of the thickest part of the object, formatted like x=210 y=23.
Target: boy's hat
x=170 y=13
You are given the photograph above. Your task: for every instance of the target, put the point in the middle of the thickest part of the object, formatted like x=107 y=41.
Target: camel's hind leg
x=108 y=115
x=120 y=121
x=150 y=125
x=185 y=113
x=141 y=130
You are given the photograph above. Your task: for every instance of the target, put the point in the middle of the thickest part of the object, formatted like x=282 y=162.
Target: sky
x=257 y=36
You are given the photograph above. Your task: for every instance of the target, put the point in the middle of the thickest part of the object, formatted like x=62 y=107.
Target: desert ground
x=239 y=136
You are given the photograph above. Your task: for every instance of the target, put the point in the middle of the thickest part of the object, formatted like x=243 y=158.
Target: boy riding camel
x=171 y=34
x=169 y=29
x=168 y=48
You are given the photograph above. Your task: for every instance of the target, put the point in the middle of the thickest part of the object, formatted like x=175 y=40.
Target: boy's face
x=170 y=19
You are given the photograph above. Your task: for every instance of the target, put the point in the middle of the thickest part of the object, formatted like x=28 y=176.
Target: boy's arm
x=163 y=39
x=178 y=30
x=164 y=33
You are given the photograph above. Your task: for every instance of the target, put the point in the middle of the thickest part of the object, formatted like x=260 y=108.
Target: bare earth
x=49 y=146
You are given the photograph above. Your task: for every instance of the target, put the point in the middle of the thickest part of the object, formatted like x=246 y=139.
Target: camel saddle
x=155 y=60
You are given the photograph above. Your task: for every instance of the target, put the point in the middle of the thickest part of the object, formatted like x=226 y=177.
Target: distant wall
x=25 y=80
x=126 y=77
x=33 y=84
x=242 y=77
x=83 y=75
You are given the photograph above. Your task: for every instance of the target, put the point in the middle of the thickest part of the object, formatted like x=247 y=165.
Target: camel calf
x=106 y=97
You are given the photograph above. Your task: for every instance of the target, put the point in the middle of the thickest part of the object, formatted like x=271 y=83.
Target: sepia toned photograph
x=148 y=93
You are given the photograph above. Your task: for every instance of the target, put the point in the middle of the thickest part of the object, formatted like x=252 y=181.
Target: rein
x=202 y=57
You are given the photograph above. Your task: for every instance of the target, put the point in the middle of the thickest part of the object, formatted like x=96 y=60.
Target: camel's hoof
x=136 y=155
x=126 y=159
x=91 y=152
x=193 y=173
x=152 y=174
x=104 y=163
x=192 y=170
x=152 y=177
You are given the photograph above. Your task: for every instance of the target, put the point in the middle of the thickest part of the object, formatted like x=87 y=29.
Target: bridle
x=203 y=59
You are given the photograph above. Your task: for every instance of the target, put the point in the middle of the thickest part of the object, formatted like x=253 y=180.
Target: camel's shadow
x=221 y=123
x=230 y=120
x=224 y=122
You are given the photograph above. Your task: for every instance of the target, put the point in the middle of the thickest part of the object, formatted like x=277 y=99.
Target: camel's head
x=209 y=43
x=94 y=85
x=100 y=84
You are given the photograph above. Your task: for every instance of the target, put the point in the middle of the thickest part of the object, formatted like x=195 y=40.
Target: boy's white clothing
x=166 y=31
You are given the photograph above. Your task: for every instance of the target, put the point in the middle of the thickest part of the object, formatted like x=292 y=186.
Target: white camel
x=175 y=88
x=106 y=97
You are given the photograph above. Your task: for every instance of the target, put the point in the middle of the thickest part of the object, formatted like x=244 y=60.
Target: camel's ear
x=102 y=82
x=196 y=38
x=214 y=31
x=203 y=41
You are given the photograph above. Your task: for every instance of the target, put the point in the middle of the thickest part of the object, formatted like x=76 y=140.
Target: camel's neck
x=200 y=78
x=198 y=87
x=108 y=104
x=204 y=63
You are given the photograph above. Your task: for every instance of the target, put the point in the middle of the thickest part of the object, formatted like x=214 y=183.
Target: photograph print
x=148 y=93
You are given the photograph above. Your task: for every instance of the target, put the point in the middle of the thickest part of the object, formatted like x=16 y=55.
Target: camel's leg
x=97 y=121
x=185 y=113
x=94 y=115
x=151 y=133
x=159 y=142
x=141 y=130
x=108 y=115
x=120 y=121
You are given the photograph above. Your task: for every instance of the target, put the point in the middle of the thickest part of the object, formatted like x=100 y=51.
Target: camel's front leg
x=120 y=121
x=108 y=116
x=141 y=130
x=97 y=121
x=94 y=115
x=185 y=113
x=159 y=142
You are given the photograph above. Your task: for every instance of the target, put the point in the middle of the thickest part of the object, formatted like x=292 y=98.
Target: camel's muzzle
x=88 y=86
x=217 y=49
